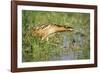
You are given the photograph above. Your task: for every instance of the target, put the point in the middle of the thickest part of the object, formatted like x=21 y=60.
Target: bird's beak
x=71 y=29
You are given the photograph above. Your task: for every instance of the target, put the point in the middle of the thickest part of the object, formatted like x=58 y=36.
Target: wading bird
x=44 y=31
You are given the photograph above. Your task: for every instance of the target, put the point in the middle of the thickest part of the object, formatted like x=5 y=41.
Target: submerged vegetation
x=61 y=46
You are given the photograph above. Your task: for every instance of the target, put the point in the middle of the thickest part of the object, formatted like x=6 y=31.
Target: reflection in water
x=73 y=46
x=65 y=43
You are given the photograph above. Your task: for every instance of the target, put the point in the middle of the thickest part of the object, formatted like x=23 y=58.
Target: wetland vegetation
x=62 y=46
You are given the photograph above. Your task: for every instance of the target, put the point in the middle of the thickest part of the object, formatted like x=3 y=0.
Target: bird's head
x=70 y=28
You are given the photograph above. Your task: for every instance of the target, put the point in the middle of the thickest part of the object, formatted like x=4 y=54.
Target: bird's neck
x=61 y=29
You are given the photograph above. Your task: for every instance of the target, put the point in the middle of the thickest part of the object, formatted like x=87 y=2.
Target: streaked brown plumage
x=44 y=31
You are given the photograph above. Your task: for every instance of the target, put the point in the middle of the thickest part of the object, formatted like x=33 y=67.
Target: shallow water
x=72 y=48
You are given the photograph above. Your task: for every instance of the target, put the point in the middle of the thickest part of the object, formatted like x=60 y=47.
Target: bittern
x=44 y=31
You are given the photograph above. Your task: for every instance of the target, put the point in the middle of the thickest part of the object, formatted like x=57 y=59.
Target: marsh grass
x=34 y=49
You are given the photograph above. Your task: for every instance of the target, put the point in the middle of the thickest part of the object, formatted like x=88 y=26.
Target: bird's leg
x=45 y=37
